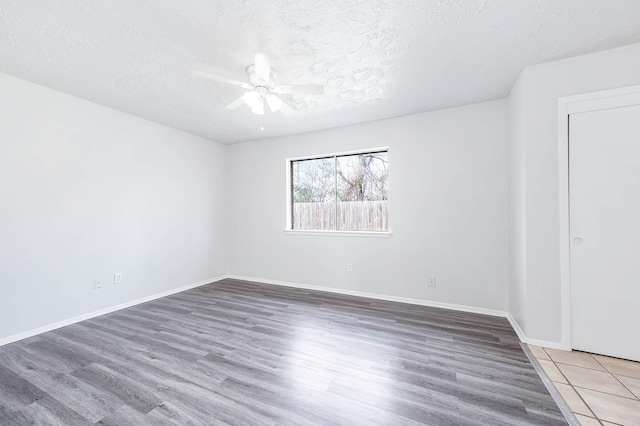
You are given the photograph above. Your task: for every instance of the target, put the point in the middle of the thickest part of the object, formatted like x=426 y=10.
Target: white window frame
x=331 y=233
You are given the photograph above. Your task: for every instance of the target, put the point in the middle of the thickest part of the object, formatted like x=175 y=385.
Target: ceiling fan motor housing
x=256 y=82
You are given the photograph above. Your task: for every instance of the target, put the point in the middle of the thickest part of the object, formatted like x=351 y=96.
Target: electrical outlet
x=349 y=267
x=117 y=278
x=432 y=281
x=97 y=283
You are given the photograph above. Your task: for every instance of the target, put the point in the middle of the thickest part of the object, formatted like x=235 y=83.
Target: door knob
x=577 y=241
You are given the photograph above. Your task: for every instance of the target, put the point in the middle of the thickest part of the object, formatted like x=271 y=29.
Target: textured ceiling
x=376 y=58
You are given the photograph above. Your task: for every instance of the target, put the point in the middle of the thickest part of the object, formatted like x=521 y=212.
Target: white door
x=604 y=191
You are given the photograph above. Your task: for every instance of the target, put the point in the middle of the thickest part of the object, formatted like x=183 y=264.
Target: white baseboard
x=547 y=344
x=420 y=302
x=464 y=308
x=535 y=342
x=63 y=323
x=516 y=328
x=377 y=296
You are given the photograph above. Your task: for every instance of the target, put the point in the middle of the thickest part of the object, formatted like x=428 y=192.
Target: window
x=343 y=192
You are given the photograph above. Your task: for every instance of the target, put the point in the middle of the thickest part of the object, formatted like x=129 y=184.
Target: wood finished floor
x=235 y=352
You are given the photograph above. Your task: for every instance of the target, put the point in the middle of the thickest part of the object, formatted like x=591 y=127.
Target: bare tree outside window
x=313 y=194
x=341 y=192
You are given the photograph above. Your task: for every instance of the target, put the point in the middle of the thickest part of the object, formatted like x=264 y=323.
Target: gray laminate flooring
x=235 y=352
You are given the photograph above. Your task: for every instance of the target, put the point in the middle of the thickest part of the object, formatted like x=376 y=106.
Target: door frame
x=567 y=105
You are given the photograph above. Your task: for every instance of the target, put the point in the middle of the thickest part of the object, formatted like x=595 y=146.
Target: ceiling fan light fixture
x=263 y=88
x=258 y=108
x=274 y=102
x=252 y=99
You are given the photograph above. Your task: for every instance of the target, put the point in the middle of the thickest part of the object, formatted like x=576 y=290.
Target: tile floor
x=599 y=390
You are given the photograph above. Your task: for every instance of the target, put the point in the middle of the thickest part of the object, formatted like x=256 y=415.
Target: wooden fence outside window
x=351 y=216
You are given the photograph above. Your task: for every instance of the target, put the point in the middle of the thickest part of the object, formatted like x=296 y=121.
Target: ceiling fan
x=262 y=83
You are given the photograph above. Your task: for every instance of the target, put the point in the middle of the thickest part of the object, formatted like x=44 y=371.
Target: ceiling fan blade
x=263 y=68
x=235 y=104
x=222 y=79
x=299 y=89
x=285 y=109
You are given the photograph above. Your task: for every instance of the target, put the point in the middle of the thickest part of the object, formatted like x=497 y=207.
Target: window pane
x=313 y=194
x=362 y=192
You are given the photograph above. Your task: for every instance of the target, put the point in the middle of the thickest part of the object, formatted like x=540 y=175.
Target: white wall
x=517 y=204
x=87 y=191
x=543 y=85
x=448 y=210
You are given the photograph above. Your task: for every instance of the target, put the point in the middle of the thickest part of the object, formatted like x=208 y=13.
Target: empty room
x=360 y=212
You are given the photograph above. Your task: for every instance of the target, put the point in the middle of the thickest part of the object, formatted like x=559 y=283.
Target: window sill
x=365 y=234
